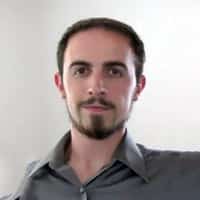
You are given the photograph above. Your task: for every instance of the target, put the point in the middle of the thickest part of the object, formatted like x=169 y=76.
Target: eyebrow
x=80 y=62
x=115 y=63
x=105 y=64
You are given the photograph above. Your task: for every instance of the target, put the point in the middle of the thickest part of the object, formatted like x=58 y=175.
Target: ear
x=139 y=87
x=59 y=84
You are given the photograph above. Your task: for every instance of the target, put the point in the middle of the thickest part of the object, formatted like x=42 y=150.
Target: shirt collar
x=56 y=158
x=127 y=152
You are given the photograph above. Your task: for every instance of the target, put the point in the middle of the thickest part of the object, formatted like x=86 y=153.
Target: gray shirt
x=135 y=172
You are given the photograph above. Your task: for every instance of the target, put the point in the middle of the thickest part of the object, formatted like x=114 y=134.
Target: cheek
x=126 y=103
x=73 y=89
x=75 y=95
x=123 y=99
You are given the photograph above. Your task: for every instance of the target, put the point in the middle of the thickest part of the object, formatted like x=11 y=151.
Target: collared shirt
x=134 y=173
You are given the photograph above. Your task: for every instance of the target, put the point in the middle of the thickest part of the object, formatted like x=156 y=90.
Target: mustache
x=100 y=101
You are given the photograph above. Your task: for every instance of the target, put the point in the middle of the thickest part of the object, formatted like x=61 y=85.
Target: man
x=100 y=77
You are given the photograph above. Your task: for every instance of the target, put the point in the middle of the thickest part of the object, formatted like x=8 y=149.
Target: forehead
x=98 y=44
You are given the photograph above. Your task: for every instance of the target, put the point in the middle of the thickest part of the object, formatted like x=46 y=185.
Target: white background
x=33 y=116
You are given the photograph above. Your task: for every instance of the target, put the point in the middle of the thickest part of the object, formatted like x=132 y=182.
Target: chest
x=120 y=183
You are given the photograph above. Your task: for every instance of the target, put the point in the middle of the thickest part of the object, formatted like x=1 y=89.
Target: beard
x=97 y=128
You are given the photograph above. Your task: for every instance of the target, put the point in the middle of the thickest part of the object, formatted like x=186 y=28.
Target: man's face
x=99 y=82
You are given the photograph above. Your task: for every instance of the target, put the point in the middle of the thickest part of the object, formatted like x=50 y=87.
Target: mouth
x=96 y=108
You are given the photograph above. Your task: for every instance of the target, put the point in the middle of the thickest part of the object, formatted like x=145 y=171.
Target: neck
x=84 y=151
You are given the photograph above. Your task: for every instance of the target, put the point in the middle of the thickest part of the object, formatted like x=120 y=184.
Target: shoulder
x=28 y=170
x=5 y=197
x=168 y=155
x=162 y=162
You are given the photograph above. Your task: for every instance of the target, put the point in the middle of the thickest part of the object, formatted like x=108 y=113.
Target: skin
x=98 y=64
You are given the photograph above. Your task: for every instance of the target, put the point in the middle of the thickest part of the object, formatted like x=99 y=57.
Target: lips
x=96 y=108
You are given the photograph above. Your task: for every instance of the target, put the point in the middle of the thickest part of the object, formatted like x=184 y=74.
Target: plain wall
x=33 y=116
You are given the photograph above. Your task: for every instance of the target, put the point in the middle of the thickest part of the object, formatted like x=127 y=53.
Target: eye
x=115 y=72
x=80 y=71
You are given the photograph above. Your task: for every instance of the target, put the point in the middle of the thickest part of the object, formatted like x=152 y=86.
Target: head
x=100 y=66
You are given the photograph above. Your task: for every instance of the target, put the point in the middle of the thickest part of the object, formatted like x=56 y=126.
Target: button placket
x=83 y=193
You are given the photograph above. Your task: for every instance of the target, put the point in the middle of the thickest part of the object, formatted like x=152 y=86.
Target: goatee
x=97 y=129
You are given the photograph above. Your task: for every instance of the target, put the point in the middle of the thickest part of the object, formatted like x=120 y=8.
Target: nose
x=97 y=86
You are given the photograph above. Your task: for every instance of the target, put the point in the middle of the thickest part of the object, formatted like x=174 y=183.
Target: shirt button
x=82 y=190
x=83 y=194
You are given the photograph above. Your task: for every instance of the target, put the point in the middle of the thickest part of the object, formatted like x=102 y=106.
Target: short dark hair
x=107 y=24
